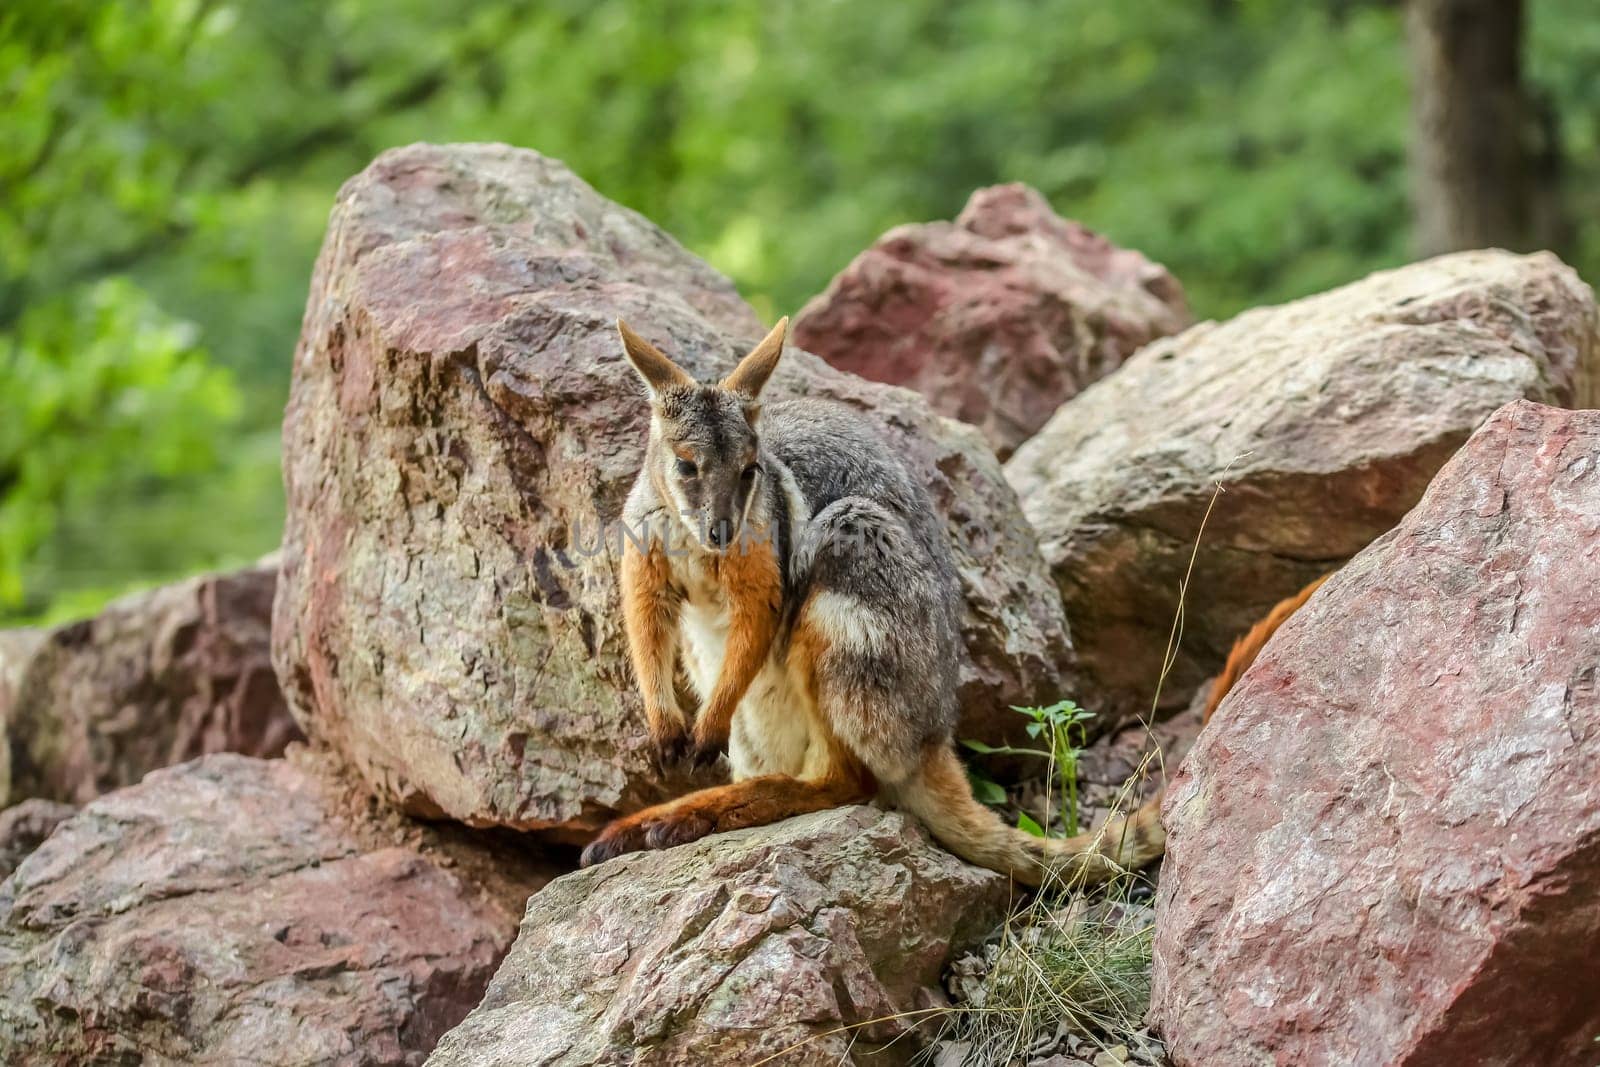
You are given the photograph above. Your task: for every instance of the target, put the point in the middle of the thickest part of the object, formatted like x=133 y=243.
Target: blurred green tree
x=103 y=389
x=190 y=149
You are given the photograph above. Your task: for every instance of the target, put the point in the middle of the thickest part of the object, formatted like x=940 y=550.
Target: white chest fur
x=772 y=731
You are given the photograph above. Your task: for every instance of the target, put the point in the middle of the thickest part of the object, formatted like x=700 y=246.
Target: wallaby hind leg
x=752 y=802
x=879 y=647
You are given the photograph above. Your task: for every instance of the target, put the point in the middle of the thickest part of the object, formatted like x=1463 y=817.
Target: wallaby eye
x=750 y=472
x=687 y=468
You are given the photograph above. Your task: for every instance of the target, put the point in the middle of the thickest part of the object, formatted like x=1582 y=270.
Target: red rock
x=155 y=679
x=998 y=317
x=236 y=910
x=1385 y=847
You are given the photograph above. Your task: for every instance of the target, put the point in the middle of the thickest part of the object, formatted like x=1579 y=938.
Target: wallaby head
x=704 y=454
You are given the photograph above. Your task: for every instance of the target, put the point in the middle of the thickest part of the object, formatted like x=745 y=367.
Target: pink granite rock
x=155 y=679
x=1385 y=847
x=236 y=910
x=996 y=318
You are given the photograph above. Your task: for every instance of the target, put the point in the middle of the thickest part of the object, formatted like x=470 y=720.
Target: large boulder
x=236 y=910
x=155 y=679
x=1385 y=847
x=808 y=936
x=462 y=427
x=1324 y=419
x=998 y=317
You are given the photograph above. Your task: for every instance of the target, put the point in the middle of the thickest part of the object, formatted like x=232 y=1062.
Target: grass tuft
x=1056 y=980
x=1069 y=972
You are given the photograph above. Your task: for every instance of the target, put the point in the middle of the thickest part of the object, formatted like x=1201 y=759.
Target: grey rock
x=1324 y=419
x=805 y=938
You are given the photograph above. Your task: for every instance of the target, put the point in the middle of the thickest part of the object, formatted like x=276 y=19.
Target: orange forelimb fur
x=756 y=801
x=650 y=616
x=750 y=581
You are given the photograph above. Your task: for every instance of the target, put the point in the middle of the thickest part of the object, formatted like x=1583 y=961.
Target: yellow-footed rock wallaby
x=785 y=557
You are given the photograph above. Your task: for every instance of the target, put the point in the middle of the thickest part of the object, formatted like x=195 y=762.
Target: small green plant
x=1060 y=727
x=1070 y=969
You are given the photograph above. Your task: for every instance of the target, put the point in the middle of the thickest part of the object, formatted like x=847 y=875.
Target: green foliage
x=986 y=789
x=194 y=147
x=1060 y=727
x=1028 y=824
x=105 y=391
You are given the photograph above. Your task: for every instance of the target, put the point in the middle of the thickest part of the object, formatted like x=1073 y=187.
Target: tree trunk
x=1473 y=181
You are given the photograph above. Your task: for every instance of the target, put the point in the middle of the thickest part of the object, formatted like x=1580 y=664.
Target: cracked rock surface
x=1325 y=418
x=462 y=427
x=1385 y=846
x=734 y=948
x=232 y=910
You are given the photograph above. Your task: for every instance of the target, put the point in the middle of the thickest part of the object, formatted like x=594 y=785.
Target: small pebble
x=952 y=1054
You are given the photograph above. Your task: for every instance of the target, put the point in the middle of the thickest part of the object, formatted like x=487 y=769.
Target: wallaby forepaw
x=593 y=853
x=672 y=747
x=635 y=834
x=678 y=830
x=704 y=753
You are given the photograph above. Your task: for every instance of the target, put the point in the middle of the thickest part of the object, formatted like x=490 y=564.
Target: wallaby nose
x=720 y=533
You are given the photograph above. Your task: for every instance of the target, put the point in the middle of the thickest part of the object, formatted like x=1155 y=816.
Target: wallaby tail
x=940 y=796
x=1247 y=648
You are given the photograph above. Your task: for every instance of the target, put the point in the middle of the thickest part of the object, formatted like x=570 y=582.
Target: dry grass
x=1068 y=972
x=1056 y=981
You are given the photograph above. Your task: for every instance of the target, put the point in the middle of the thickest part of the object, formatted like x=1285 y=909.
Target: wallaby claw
x=671 y=749
x=657 y=828
x=705 y=751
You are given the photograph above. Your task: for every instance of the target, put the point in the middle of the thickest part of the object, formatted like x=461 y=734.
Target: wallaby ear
x=659 y=372
x=754 y=370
